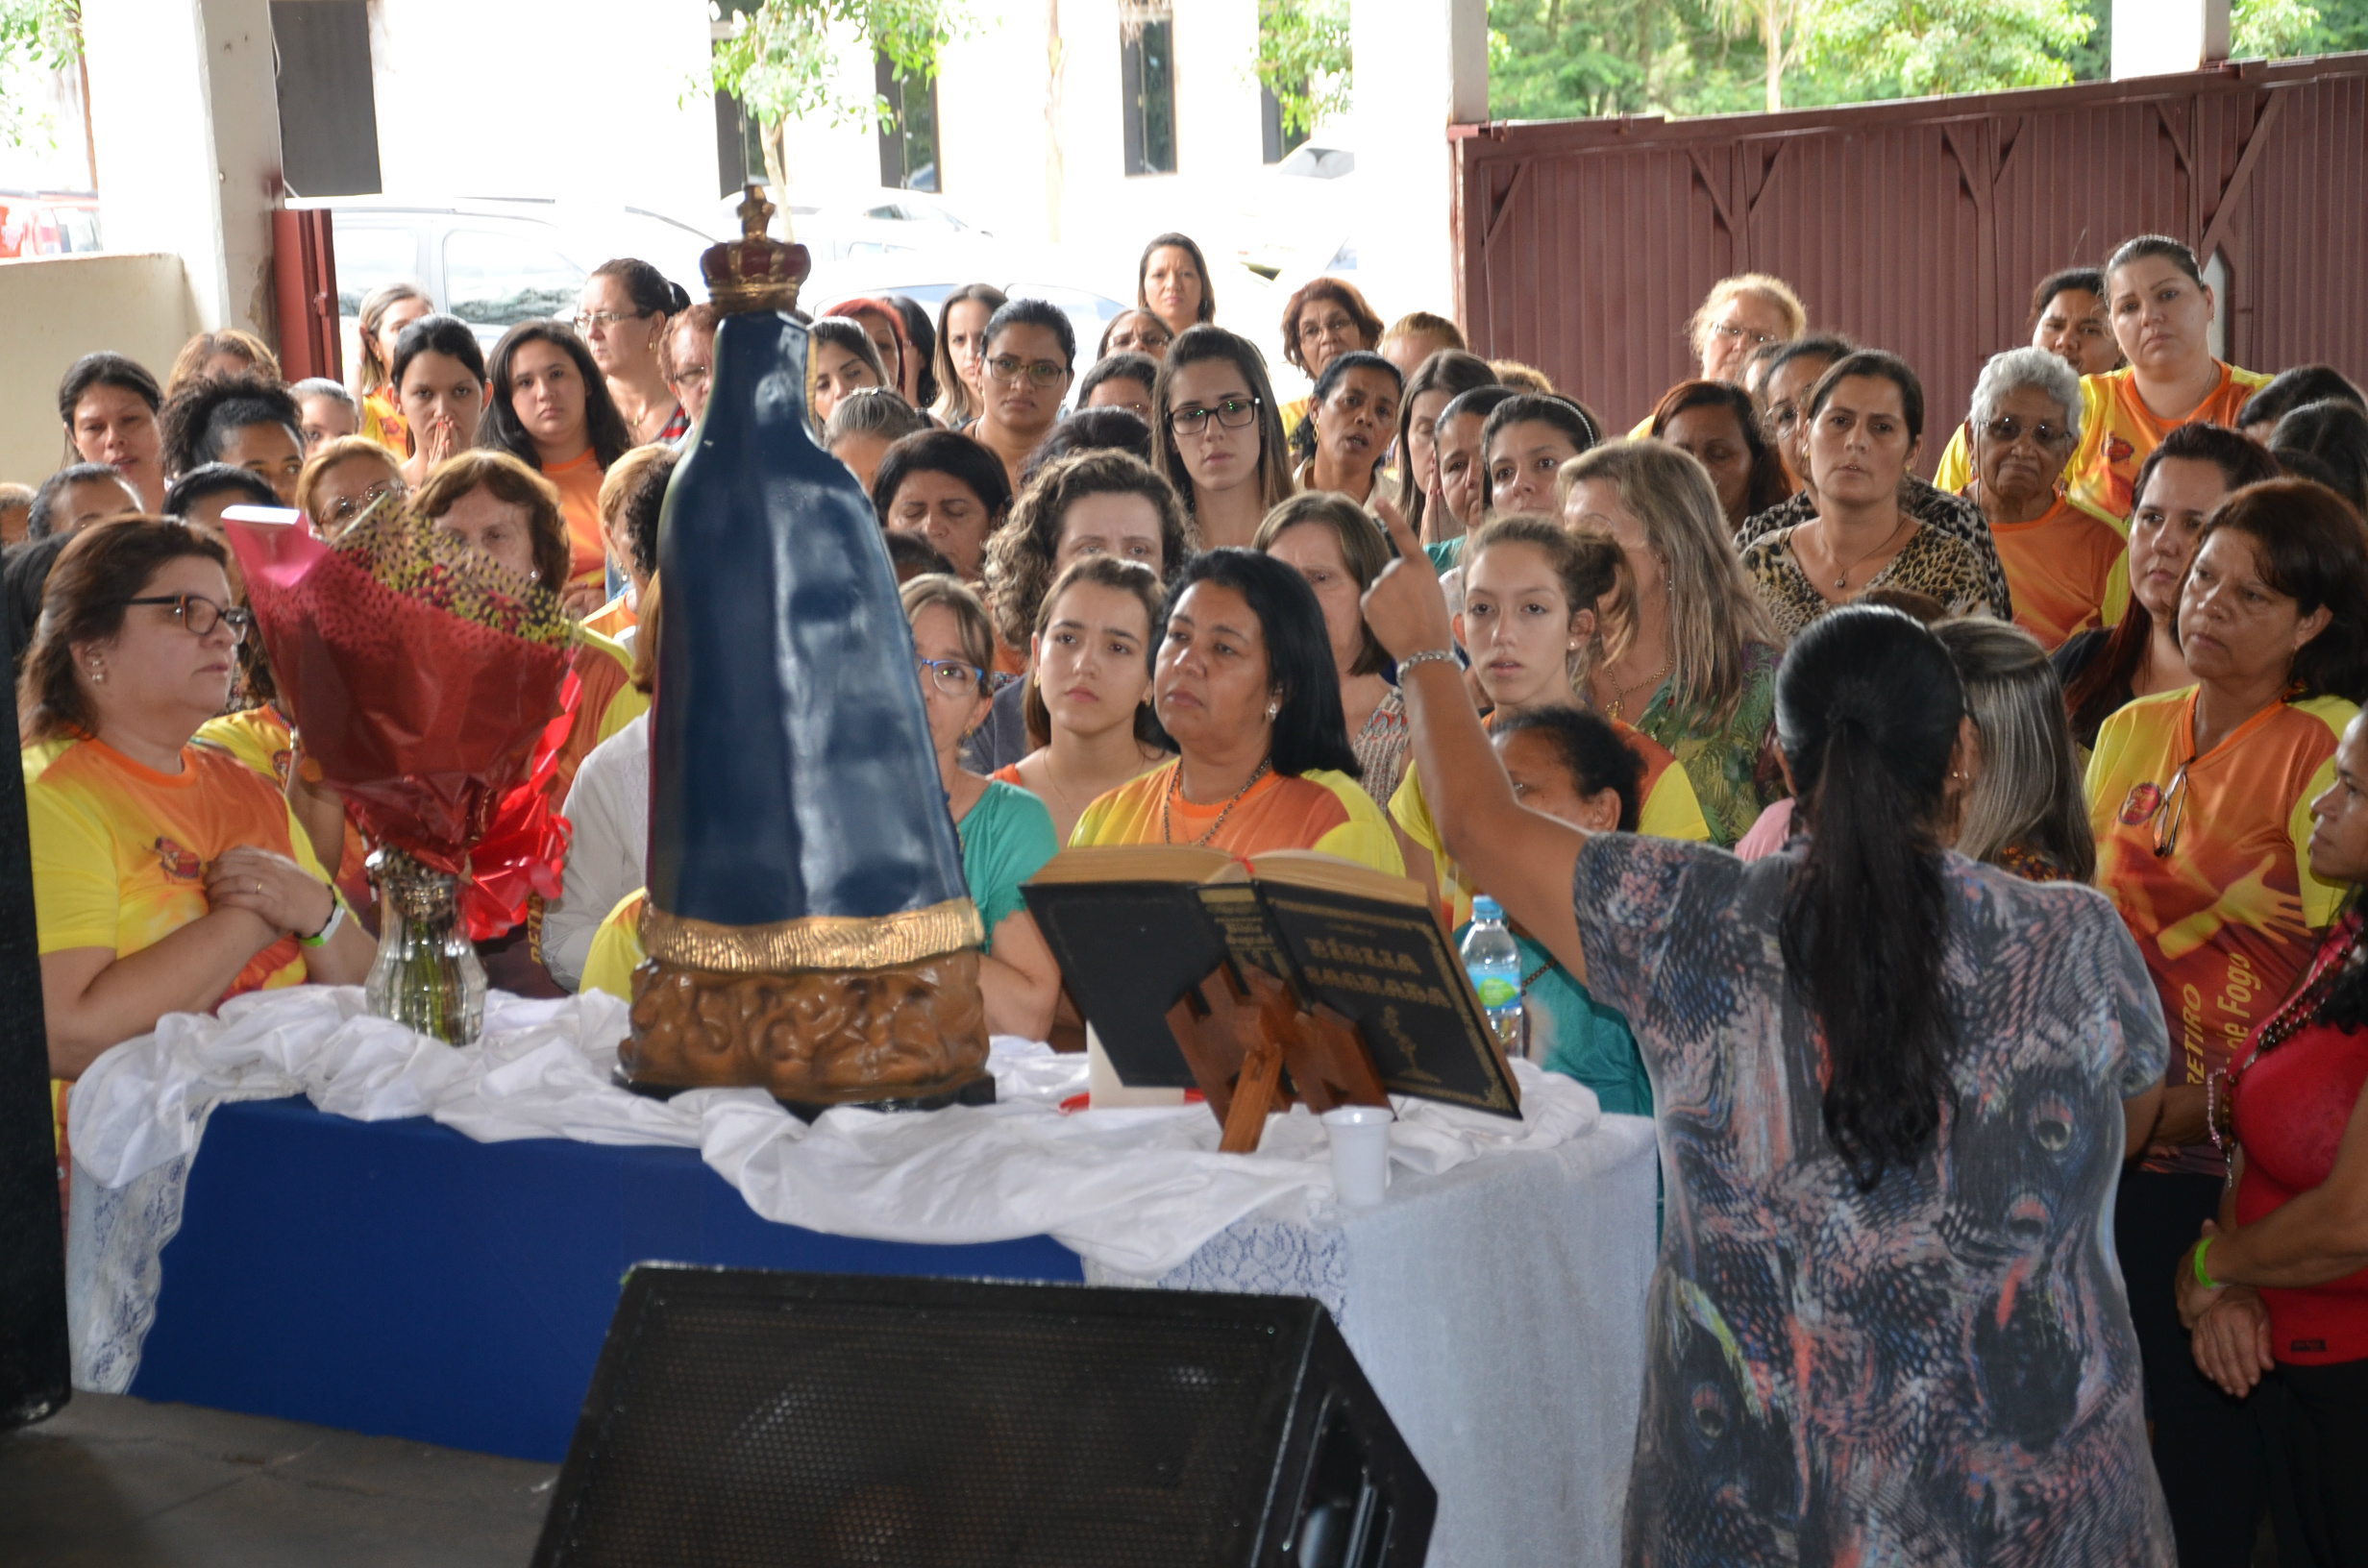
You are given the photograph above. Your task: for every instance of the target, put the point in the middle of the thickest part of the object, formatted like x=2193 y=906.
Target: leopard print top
x=1931 y=562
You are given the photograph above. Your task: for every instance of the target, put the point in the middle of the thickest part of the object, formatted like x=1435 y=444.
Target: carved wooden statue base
x=913 y=1032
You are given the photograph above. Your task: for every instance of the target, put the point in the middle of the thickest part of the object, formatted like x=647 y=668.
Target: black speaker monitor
x=741 y=1418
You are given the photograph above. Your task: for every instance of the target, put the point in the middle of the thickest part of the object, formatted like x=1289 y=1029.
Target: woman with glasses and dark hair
x=2198 y=798
x=625 y=309
x=1244 y=686
x=1173 y=282
x=1031 y=352
x=1325 y=318
x=2059 y=557
x=962 y=352
x=167 y=876
x=1351 y=418
x=1217 y=436
x=550 y=409
x=438 y=379
x=1006 y=833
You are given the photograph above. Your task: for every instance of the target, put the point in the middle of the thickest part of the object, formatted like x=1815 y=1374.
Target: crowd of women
x=1965 y=874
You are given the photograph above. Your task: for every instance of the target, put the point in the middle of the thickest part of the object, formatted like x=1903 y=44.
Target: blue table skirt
x=398 y=1278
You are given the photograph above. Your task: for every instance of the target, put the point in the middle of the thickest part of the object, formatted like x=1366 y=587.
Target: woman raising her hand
x=1813 y=992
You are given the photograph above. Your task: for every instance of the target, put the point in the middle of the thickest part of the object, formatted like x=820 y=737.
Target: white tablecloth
x=1496 y=1300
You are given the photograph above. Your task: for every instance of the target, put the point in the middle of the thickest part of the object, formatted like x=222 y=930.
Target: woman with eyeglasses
x=1325 y=318
x=1351 y=417
x=550 y=409
x=1031 y=349
x=345 y=480
x=1006 y=833
x=625 y=309
x=1791 y=371
x=2180 y=485
x=687 y=355
x=167 y=876
x=1243 y=685
x=1134 y=332
x=1739 y=316
x=439 y=380
x=1217 y=436
x=2059 y=557
x=2198 y=798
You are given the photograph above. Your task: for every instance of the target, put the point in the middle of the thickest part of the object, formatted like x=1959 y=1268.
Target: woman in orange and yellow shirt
x=2200 y=802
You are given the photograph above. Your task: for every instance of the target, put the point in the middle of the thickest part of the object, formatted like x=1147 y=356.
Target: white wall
x=594 y=100
x=55 y=309
x=186 y=123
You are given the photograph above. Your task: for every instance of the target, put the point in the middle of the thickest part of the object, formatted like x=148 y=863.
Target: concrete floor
x=120 y=1483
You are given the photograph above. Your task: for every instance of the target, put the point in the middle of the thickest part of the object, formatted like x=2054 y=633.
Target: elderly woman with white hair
x=2060 y=558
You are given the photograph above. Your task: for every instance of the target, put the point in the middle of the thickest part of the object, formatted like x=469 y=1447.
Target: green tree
x=782 y=63
x=1304 y=60
x=1936 y=46
x=2271 y=28
x=40 y=35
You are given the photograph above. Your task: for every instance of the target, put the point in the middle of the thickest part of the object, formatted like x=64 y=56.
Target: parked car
x=495 y=262
x=47 y=223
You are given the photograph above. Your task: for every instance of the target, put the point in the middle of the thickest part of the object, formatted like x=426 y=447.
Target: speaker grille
x=770 y=1431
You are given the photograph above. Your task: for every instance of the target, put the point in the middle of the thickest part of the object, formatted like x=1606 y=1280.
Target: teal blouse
x=1006 y=838
x=1584 y=1039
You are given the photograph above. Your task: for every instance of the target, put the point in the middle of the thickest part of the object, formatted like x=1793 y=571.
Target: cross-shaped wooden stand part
x=1238 y=1034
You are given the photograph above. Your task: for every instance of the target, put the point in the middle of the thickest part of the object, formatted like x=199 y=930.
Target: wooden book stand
x=1238 y=1038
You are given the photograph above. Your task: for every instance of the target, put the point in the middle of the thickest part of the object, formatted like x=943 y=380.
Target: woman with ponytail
x=628 y=306
x=1893 y=1088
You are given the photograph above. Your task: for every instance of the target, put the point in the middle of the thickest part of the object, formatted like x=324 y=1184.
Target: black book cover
x=1389 y=969
x=1128 y=952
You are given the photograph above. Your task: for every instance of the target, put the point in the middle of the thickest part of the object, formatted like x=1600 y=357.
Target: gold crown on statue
x=755 y=272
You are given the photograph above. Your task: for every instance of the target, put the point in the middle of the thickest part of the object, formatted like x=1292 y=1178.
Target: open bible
x=1166 y=948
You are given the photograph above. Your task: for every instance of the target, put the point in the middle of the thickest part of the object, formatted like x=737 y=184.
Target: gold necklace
x=1614 y=708
x=1176 y=785
x=1841 y=583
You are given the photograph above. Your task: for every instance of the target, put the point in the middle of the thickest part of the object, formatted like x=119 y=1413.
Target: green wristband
x=2201 y=1277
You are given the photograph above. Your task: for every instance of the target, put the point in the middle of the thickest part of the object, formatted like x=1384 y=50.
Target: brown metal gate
x=1919 y=227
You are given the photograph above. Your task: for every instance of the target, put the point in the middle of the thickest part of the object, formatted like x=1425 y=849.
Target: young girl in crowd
x=244 y=420
x=1530 y=623
x=962 y=351
x=841 y=358
x=1463 y=469
x=385 y=311
x=437 y=376
x=1430 y=386
x=1088 y=704
x=550 y=409
x=1525 y=441
x=884 y=324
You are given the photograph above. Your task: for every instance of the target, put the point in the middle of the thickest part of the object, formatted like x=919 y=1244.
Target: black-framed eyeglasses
x=200 y=615
x=2005 y=429
x=1233 y=414
x=1009 y=368
x=954 y=677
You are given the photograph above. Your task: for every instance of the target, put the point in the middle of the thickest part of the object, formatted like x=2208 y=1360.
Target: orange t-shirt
x=2224 y=920
x=2118 y=431
x=578 y=479
x=260 y=738
x=2057 y=568
x=1317 y=810
x=613 y=619
x=382 y=422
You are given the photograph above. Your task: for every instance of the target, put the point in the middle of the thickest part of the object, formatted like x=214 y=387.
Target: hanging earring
x=98 y=672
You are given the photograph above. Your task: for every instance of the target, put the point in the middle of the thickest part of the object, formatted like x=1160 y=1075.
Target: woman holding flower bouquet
x=167 y=876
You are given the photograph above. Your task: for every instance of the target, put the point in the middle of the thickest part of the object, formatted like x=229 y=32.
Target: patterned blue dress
x=1942 y=1370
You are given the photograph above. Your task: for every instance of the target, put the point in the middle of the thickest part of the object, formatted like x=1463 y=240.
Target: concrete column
x=2161 y=38
x=1420 y=66
x=185 y=118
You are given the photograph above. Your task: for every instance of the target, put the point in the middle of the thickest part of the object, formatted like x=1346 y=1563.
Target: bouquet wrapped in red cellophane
x=431 y=687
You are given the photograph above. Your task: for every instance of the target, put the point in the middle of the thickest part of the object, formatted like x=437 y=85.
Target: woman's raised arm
x=1521 y=858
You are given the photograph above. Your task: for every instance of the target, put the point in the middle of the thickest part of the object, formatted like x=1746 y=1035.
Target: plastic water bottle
x=1494 y=964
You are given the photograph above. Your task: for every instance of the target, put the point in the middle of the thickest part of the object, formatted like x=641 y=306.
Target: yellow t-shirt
x=1318 y=809
x=120 y=851
x=2225 y=919
x=260 y=738
x=1667 y=808
x=2118 y=431
x=616 y=948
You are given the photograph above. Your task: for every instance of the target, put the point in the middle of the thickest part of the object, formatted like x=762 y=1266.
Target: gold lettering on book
x=1370 y=958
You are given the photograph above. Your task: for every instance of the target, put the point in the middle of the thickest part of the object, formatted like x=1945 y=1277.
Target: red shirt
x=2292 y=1105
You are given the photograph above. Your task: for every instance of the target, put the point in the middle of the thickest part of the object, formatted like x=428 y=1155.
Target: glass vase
x=426 y=975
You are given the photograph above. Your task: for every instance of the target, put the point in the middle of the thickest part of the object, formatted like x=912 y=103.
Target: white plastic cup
x=1360 y=1138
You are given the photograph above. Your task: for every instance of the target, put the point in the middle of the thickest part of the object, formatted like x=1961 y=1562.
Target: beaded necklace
x=1175 y=783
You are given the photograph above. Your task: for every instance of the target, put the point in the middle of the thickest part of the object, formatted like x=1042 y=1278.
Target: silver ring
x=258 y=887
